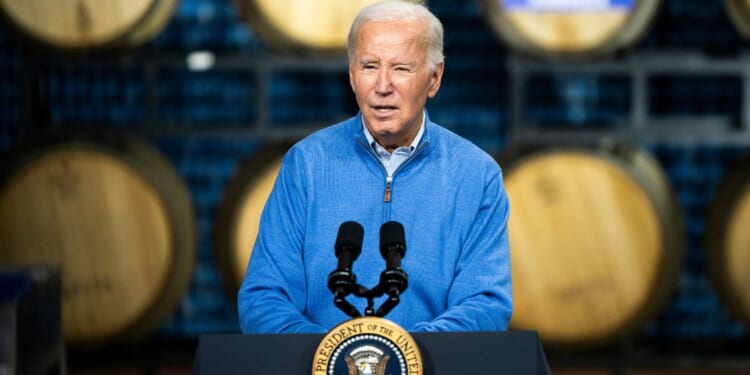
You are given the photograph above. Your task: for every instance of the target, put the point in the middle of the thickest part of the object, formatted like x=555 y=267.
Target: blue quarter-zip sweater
x=448 y=195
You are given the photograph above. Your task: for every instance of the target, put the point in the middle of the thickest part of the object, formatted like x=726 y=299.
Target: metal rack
x=642 y=125
x=639 y=68
x=150 y=66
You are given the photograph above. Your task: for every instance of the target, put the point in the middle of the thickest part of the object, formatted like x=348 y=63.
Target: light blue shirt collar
x=391 y=161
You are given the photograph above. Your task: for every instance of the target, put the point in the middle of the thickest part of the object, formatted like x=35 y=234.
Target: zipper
x=387 y=195
x=389 y=178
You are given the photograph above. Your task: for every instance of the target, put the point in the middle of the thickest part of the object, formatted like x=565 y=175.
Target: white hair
x=398 y=10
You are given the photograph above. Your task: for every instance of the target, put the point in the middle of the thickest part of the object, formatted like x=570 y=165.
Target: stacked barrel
x=598 y=238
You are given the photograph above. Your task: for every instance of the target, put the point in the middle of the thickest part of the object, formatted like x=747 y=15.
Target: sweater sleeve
x=272 y=296
x=480 y=297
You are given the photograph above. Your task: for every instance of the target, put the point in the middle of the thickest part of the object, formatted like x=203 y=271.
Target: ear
x=435 y=80
x=351 y=77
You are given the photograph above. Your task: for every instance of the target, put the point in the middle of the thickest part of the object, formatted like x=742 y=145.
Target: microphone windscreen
x=350 y=236
x=392 y=236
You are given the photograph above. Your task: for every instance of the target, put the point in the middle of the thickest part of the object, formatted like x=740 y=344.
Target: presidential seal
x=368 y=345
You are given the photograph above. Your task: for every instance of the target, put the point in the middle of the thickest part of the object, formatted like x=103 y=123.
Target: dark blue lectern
x=459 y=353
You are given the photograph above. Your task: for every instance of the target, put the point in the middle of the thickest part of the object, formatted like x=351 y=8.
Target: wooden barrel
x=88 y=24
x=317 y=27
x=238 y=216
x=569 y=29
x=728 y=240
x=596 y=243
x=117 y=220
x=739 y=13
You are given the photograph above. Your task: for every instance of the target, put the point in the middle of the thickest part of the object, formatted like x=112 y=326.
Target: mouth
x=384 y=109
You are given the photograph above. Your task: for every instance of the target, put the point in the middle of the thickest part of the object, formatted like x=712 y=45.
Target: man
x=389 y=163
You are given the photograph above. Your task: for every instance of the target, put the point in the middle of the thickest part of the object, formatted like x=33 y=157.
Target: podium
x=31 y=337
x=459 y=353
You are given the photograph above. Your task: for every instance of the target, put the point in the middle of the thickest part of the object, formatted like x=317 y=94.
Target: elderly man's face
x=391 y=79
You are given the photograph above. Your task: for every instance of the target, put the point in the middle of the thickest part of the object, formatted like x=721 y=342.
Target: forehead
x=390 y=38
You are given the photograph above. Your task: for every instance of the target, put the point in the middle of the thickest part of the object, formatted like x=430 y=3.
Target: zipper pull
x=387 y=195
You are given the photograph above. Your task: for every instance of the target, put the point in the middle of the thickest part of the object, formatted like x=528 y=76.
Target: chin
x=384 y=126
x=385 y=131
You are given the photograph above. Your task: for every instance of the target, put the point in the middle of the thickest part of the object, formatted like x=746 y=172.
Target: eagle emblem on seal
x=366 y=360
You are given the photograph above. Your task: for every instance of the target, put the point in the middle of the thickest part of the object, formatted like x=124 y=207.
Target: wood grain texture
x=587 y=245
x=319 y=26
x=562 y=34
x=86 y=24
x=568 y=32
x=728 y=239
x=245 y=229
x=117 y=220
x=739 y=13
x=102 y=223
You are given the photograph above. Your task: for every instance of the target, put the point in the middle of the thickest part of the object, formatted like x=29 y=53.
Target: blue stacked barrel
x=92 y=95
x=207 y=163
x=192 y=99
x=473 y=101
x=578 y=100
x=697 y=310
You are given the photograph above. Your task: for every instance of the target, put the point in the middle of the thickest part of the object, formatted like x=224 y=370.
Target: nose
x=384 y=83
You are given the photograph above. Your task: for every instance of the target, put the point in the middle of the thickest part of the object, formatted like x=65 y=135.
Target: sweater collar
x=412 y=146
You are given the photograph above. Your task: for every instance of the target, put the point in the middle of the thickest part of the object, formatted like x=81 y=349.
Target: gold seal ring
x=368 y=345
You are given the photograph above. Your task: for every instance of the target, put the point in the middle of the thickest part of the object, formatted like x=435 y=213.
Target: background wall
x=207 y=122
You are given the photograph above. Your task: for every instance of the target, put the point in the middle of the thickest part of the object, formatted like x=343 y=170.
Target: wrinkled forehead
x=406 y=30
x=389 y=40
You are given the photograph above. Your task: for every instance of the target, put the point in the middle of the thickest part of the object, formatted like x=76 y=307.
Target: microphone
x=348 y=246
x=393 y=247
